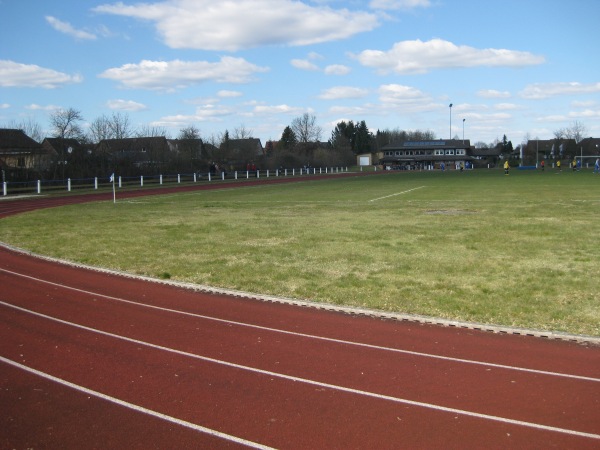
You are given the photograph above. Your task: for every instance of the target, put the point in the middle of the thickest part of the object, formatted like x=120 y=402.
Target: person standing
x=506 y=167
x=543 y=165
x=558 y=166
x=597 y=166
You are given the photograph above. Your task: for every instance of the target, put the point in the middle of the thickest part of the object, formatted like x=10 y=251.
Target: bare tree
x=560 y=134
x=65 y=124
x=115 y=127
x=189 y=147
x=29 y=127
x=149 y=131
x=99 y=129
x=190 y=132
x=242 y=132
x=576 y=131
x=119 y=126
x=306 y=129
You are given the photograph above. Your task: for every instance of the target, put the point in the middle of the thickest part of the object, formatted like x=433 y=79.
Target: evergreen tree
x=288 y=138
x=342 y=135
x=362 y=142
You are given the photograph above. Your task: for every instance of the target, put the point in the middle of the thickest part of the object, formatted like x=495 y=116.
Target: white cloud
x=177 y=74
x=14 y=74
x=397 y=93
x=583 y=103
x=231 y=26
x=68 y=29
x=418 y=57
x=229 y=94
x=337 y=69
x=340 y=92
x=586 y=114
x=539 y=91
x=125 y=105
x=277 y=109
x=207 y=113
x=552 y=118
x=304 y=64
x=351 y=111
x=36 y=107
x=507 y=106
x=492 y=93
x=315 y=56
x=4 y=106
x=399 y=4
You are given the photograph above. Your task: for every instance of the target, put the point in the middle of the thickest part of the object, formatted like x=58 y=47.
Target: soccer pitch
x=519 y=250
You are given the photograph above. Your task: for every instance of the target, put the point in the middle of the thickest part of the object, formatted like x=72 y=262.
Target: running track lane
x=93 y=359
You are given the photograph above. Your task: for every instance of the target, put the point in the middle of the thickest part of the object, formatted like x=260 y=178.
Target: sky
x=515 y=68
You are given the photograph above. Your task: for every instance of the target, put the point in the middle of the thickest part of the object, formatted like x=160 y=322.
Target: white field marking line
x=310 y=336
x=132 y=406
x=397 y=193
x=313 y=382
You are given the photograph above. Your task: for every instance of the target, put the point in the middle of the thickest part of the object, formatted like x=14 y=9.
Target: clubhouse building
x=427 y=155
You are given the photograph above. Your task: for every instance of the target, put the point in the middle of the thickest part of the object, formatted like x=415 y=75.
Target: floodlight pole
x=450 y=120
x=464 y=131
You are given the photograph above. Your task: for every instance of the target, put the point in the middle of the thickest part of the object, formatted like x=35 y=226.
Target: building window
x=449 y=152
x=461 y=152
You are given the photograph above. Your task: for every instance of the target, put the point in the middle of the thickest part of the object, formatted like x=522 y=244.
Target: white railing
x=97 y=183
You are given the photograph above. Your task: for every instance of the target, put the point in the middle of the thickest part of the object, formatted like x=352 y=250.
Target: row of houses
x=21 y=154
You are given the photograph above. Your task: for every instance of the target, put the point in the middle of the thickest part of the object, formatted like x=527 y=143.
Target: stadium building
x=428 y=155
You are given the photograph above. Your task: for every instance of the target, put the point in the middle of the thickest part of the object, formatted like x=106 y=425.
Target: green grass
x=521 y=250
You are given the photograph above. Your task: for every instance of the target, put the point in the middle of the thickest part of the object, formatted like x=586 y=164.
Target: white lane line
x=134 y=407
x=397 y=193
x=310 y=336
x=313 y=382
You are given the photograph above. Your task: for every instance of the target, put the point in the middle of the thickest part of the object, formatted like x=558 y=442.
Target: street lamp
x=450 y=120
x=464 y=131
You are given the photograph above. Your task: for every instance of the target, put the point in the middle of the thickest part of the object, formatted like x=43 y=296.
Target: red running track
x=96 y=360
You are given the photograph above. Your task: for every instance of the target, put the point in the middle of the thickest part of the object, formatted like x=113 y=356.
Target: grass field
x=520 y=250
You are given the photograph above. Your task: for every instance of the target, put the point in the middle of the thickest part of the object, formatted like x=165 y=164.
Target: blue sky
x=511 y=67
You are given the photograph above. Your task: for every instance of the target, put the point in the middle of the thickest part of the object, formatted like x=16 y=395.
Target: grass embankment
x=520 y=250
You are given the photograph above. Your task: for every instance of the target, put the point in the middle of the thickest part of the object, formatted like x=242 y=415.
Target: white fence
x=96 y=183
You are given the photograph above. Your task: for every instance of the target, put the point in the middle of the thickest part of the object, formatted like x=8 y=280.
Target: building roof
x=486 y=152
x=139 y=144
x=429 y=144
x=590 y=145
x=13 y=140
x=53 y=145
x=248 y=143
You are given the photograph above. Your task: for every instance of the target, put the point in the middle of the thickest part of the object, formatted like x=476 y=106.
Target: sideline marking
x=304 y=335
x=313 y=382
x=398 y=193
x=136 y=408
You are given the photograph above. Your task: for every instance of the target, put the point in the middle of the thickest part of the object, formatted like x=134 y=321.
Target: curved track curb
x=499 y=329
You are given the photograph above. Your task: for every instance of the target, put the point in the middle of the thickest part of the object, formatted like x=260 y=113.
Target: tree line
x=301 y=142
